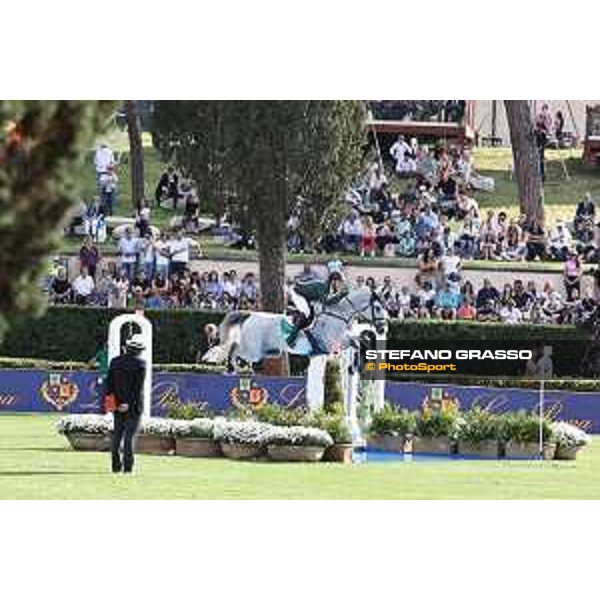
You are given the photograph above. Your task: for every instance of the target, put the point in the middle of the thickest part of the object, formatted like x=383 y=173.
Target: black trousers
x=125 y=428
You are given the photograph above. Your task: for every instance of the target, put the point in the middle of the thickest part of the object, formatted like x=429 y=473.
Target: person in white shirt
x=128 y=249
x=179 y=252
x=231 y=285
x=83 y=287
x=352 y=230
x=560 y=241
x=402 y=153
x=103 y=159
x=161 y=257
x=450 y=264
x=509 y=313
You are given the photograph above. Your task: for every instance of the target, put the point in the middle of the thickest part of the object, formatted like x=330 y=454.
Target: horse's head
x=371 y=309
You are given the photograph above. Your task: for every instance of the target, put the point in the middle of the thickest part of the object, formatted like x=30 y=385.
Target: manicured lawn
x=36 y=463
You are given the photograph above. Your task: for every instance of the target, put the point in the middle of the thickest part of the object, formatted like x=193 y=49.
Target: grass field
x=36 y=463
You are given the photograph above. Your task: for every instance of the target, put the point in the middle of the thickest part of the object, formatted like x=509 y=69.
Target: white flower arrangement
x=569 y=436
x=157 y=426
x=251 y=433
x=300 y=436
x=201 y=428
x=85 y=424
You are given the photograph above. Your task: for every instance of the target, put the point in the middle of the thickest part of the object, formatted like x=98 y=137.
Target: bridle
x=356 y=311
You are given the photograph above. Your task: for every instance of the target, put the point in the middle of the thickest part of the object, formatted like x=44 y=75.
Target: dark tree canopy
x=267 y=159
x=41 y=146
x=136 y=153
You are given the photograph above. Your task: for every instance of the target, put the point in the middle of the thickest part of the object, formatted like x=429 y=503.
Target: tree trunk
x=526 y=159
x=136 y=153
x=271 y=239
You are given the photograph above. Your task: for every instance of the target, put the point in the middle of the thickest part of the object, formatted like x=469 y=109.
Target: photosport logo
x=249 y=394
x=59 y=391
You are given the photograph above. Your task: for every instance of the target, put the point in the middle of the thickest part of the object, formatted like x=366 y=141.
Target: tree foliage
x=267 y=159
x=41 y=145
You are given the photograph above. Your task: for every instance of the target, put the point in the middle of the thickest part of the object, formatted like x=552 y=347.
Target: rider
x=315 y=291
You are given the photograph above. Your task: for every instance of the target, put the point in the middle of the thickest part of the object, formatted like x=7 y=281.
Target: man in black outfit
x=126 y=382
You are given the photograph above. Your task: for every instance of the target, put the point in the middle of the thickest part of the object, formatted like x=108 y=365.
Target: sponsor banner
x=80 y=392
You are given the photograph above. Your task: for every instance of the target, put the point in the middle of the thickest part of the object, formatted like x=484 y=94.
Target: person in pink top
x=572 y=275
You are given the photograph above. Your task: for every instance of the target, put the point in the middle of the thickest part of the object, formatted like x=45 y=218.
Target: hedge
x=72 y=334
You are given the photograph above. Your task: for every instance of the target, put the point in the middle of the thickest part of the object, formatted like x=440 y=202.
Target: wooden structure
x=460 y=132
x=591 y=145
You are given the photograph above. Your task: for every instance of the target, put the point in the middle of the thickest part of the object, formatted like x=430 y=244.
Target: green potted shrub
x=436 y=431
x=195 y=439
x=242 y=439
x=478 y=433
x=155 y=436
x=88 y=433
x=392 y=429
x=334 y=422
x=275 y=414
x=569 y=440
x=298 y=444
x=520 y=434
x=333 y=390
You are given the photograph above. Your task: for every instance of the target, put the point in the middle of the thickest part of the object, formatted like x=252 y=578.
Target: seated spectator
x=467 y=237
x=488 y=293
x=231 y=286
x=466 y=311
x=522 y=298
x=585 y=215
x=515 y=248
x=535 y=241
x=180 y=248
x=61 y=291
x=249 y=289
x=447 y=302
x=403 y=298
x=560 y=242
x=509 y=313
x=102 y=289
x=450 y=265
x=489 y=237
x=142 y=220
x=117 y=296
x=83 y=287
x=447 y=190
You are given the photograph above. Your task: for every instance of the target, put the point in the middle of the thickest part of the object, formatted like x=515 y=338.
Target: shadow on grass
x=17 y=449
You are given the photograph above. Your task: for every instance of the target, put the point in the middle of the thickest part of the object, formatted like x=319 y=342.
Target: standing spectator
x=83 y=287
x=535 y=241
x=148 y=248
x=572 y=275
x=543 y=131
x=128 y=249
x=89 y=256
x=125 y=382
x=402 y=153
x=368 y=242
x=107 y=182
x=161 y=256
x=179 y=252
x=142 y=219
x=104 y=159
x=168 y=187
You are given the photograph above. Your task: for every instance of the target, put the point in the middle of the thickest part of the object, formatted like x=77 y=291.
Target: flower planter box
x=486 y=449
x=197 y=448
x=240 y=451
x=387 y=443
x=566 y=453
x=440 y=445
x=296 y=453
x=89 y=442
x=155 y=444
x=529 y=450
x=341 y=453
